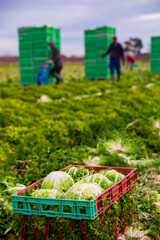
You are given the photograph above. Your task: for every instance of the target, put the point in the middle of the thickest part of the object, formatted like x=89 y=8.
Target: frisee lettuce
x=113 y=175
x=47 y=193
x=59 y=180
x=83 y=191
x=77 y=173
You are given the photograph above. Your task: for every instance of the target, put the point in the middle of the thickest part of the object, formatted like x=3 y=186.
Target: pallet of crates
x=41 y=51
x=34 y=51
x=82 y=212
x=103 y=39
x=25 y=55
x=97 y=42
x=155 y=54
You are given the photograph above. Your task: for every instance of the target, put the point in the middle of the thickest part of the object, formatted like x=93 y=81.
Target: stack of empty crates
x=97 y=42
x=34 y=50
x=155 y=54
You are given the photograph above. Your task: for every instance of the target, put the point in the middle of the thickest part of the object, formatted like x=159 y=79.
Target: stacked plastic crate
x=97 y=42
x=155 y=54
x=34 y=50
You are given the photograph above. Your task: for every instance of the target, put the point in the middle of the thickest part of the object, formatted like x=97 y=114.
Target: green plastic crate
x=34 y=50
x=100 y=53
x=106 y=29
x=155 y=70
x=97 y=76
x=102 y=40
x=155 y=40
x=39 y=61
x=58 y=46
x=103 y=43
x=41 y=52
x=45 y=29
x=156 y=65
x=51 y=80
x=28 y=82
x=97 y=42
x=135 y=65
x=44 y=37
x=43 y=44
x=26 y=54
x=26 y=62
x=155 y=55
x=90 y=32
x=102 y=66
x=155 y=43
x=25 y=46
x=155 y=62
x=75 y=205
x=25 y=37
x=40 y=44
x=25 y=30
x=28 y=79
x=57 y=33
x=26 y=70
x=155 y=48
x=90 y=56
x=90 y=51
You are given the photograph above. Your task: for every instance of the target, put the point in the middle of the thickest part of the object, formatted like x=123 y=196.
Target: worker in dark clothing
x=58 y=65
x=116 y=52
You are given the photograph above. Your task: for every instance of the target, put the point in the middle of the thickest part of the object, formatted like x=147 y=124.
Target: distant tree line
x=136 y=45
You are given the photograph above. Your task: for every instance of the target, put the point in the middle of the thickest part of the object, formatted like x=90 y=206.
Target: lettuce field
x=84 y=122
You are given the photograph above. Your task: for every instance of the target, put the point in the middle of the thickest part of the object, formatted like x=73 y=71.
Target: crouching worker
x=58 y=65
x=130 y=56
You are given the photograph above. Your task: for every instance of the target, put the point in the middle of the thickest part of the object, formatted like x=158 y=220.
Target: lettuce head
x=77 y=173
x=113 y=175
x=59 y=180
x=47 y=193
x=101 y=180
x=83 y=191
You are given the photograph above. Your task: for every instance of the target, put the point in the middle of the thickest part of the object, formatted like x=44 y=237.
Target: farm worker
x=58 y=65
x=116 y=52
x=129 y=54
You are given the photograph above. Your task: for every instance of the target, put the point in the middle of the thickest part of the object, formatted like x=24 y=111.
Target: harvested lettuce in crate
x=59 y=180
x=47 y=193
x=113 y=175
x=100 y=179
x=83 y=191
x=77 y=173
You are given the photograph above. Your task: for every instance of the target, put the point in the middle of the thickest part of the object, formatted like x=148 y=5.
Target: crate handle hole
x=34 y=206
x=54 y=208
x=67 y=209
x=20 y=205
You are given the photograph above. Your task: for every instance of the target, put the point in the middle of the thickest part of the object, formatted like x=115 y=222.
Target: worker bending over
x=58 y=64
x=130 y=56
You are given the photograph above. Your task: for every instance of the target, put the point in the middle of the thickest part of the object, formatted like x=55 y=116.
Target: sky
x=132 y=18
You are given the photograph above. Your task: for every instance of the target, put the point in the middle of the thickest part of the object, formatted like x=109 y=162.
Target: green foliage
x=77 y=173
x=74 y=128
